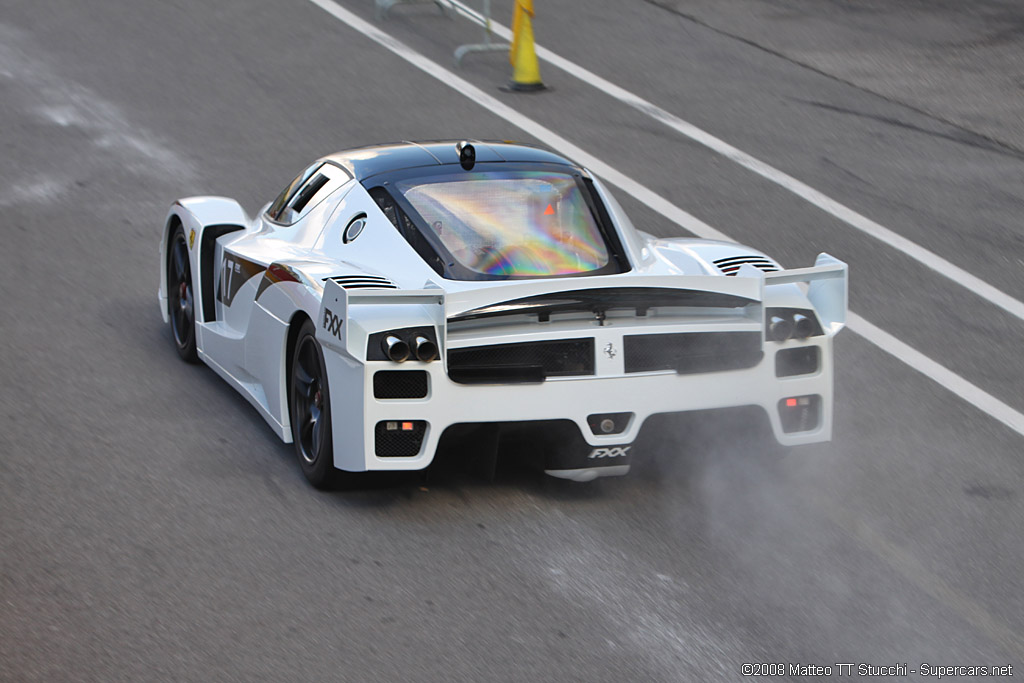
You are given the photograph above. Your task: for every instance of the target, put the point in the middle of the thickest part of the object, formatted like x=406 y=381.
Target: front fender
x=195 y=215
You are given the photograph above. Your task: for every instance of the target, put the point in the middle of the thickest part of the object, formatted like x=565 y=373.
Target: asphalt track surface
x=153 y=528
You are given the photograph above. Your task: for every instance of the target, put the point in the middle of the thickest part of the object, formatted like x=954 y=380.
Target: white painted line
x=806 y=192
x=971 y=393
x=888 y=343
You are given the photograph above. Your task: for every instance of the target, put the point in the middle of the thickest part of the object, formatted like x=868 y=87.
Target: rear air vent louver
x=363 y=282
x=691 y=353
x=731 y=265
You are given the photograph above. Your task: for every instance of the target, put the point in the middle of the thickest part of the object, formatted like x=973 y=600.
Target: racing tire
x=181 y=297
x=310 y=409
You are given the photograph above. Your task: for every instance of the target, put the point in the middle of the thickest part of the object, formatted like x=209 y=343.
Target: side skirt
x=253 y=393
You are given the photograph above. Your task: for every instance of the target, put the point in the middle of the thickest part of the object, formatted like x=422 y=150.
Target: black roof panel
x=364 y=162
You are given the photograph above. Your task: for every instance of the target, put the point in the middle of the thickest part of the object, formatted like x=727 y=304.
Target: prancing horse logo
x=609 y=350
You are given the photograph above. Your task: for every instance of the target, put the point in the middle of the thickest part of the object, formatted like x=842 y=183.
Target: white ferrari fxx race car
x=394 y=297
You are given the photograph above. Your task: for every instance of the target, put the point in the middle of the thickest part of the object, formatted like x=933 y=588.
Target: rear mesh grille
x=363 y=282
x=400 y=384
x=524 y=362
x=692 y=352
x=731 y=265
x=393 y=440
x=802 y=360
x=800 y=413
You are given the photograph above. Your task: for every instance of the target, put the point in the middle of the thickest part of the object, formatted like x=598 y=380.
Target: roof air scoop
x=467 y=155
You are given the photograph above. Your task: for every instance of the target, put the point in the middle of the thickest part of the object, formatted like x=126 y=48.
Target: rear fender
x=343 y=325
x=287 y=292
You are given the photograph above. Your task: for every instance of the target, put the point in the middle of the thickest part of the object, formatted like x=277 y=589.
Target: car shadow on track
x=674 y=455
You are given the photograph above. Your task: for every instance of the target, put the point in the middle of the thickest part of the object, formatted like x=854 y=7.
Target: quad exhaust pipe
x=780 y=328
x=426 y=350
x=395 y=348
x=399 y=350
x=786 y=324
x=803 y=327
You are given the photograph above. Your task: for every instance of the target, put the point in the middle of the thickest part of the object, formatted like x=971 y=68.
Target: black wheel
x=310 y=403
x=180 y=299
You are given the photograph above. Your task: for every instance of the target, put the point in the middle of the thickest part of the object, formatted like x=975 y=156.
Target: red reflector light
x=550 y=211
x=407 y=426
x=791 y=403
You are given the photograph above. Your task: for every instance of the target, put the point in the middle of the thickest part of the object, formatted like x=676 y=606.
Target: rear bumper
x=356 y=412
x=710 y=304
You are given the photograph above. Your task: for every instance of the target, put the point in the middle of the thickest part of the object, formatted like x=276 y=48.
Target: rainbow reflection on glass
x=515 y=223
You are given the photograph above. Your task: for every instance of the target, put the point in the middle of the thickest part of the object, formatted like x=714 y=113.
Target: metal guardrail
x=522 y=53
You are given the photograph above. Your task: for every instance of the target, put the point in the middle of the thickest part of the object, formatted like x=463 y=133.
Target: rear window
x=499 y=224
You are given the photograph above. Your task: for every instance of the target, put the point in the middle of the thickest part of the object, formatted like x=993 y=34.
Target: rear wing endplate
x=334 y=327
x=827 y=288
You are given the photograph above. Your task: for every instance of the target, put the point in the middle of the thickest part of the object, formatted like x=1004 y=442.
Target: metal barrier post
x=487 y=45
x=384 y=6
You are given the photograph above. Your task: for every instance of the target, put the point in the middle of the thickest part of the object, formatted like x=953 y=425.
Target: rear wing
x=460 y=302
x=827 y=287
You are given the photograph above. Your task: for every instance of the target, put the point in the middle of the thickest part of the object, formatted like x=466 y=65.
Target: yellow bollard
x=522 y=53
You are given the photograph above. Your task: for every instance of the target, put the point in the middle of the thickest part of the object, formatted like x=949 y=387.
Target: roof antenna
x=467 y=155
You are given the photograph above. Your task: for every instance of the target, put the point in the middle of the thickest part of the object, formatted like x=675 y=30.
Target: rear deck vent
x=731 y=265
x=363 y=282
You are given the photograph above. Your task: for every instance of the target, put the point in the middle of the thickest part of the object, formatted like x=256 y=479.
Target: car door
x=280 y=233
